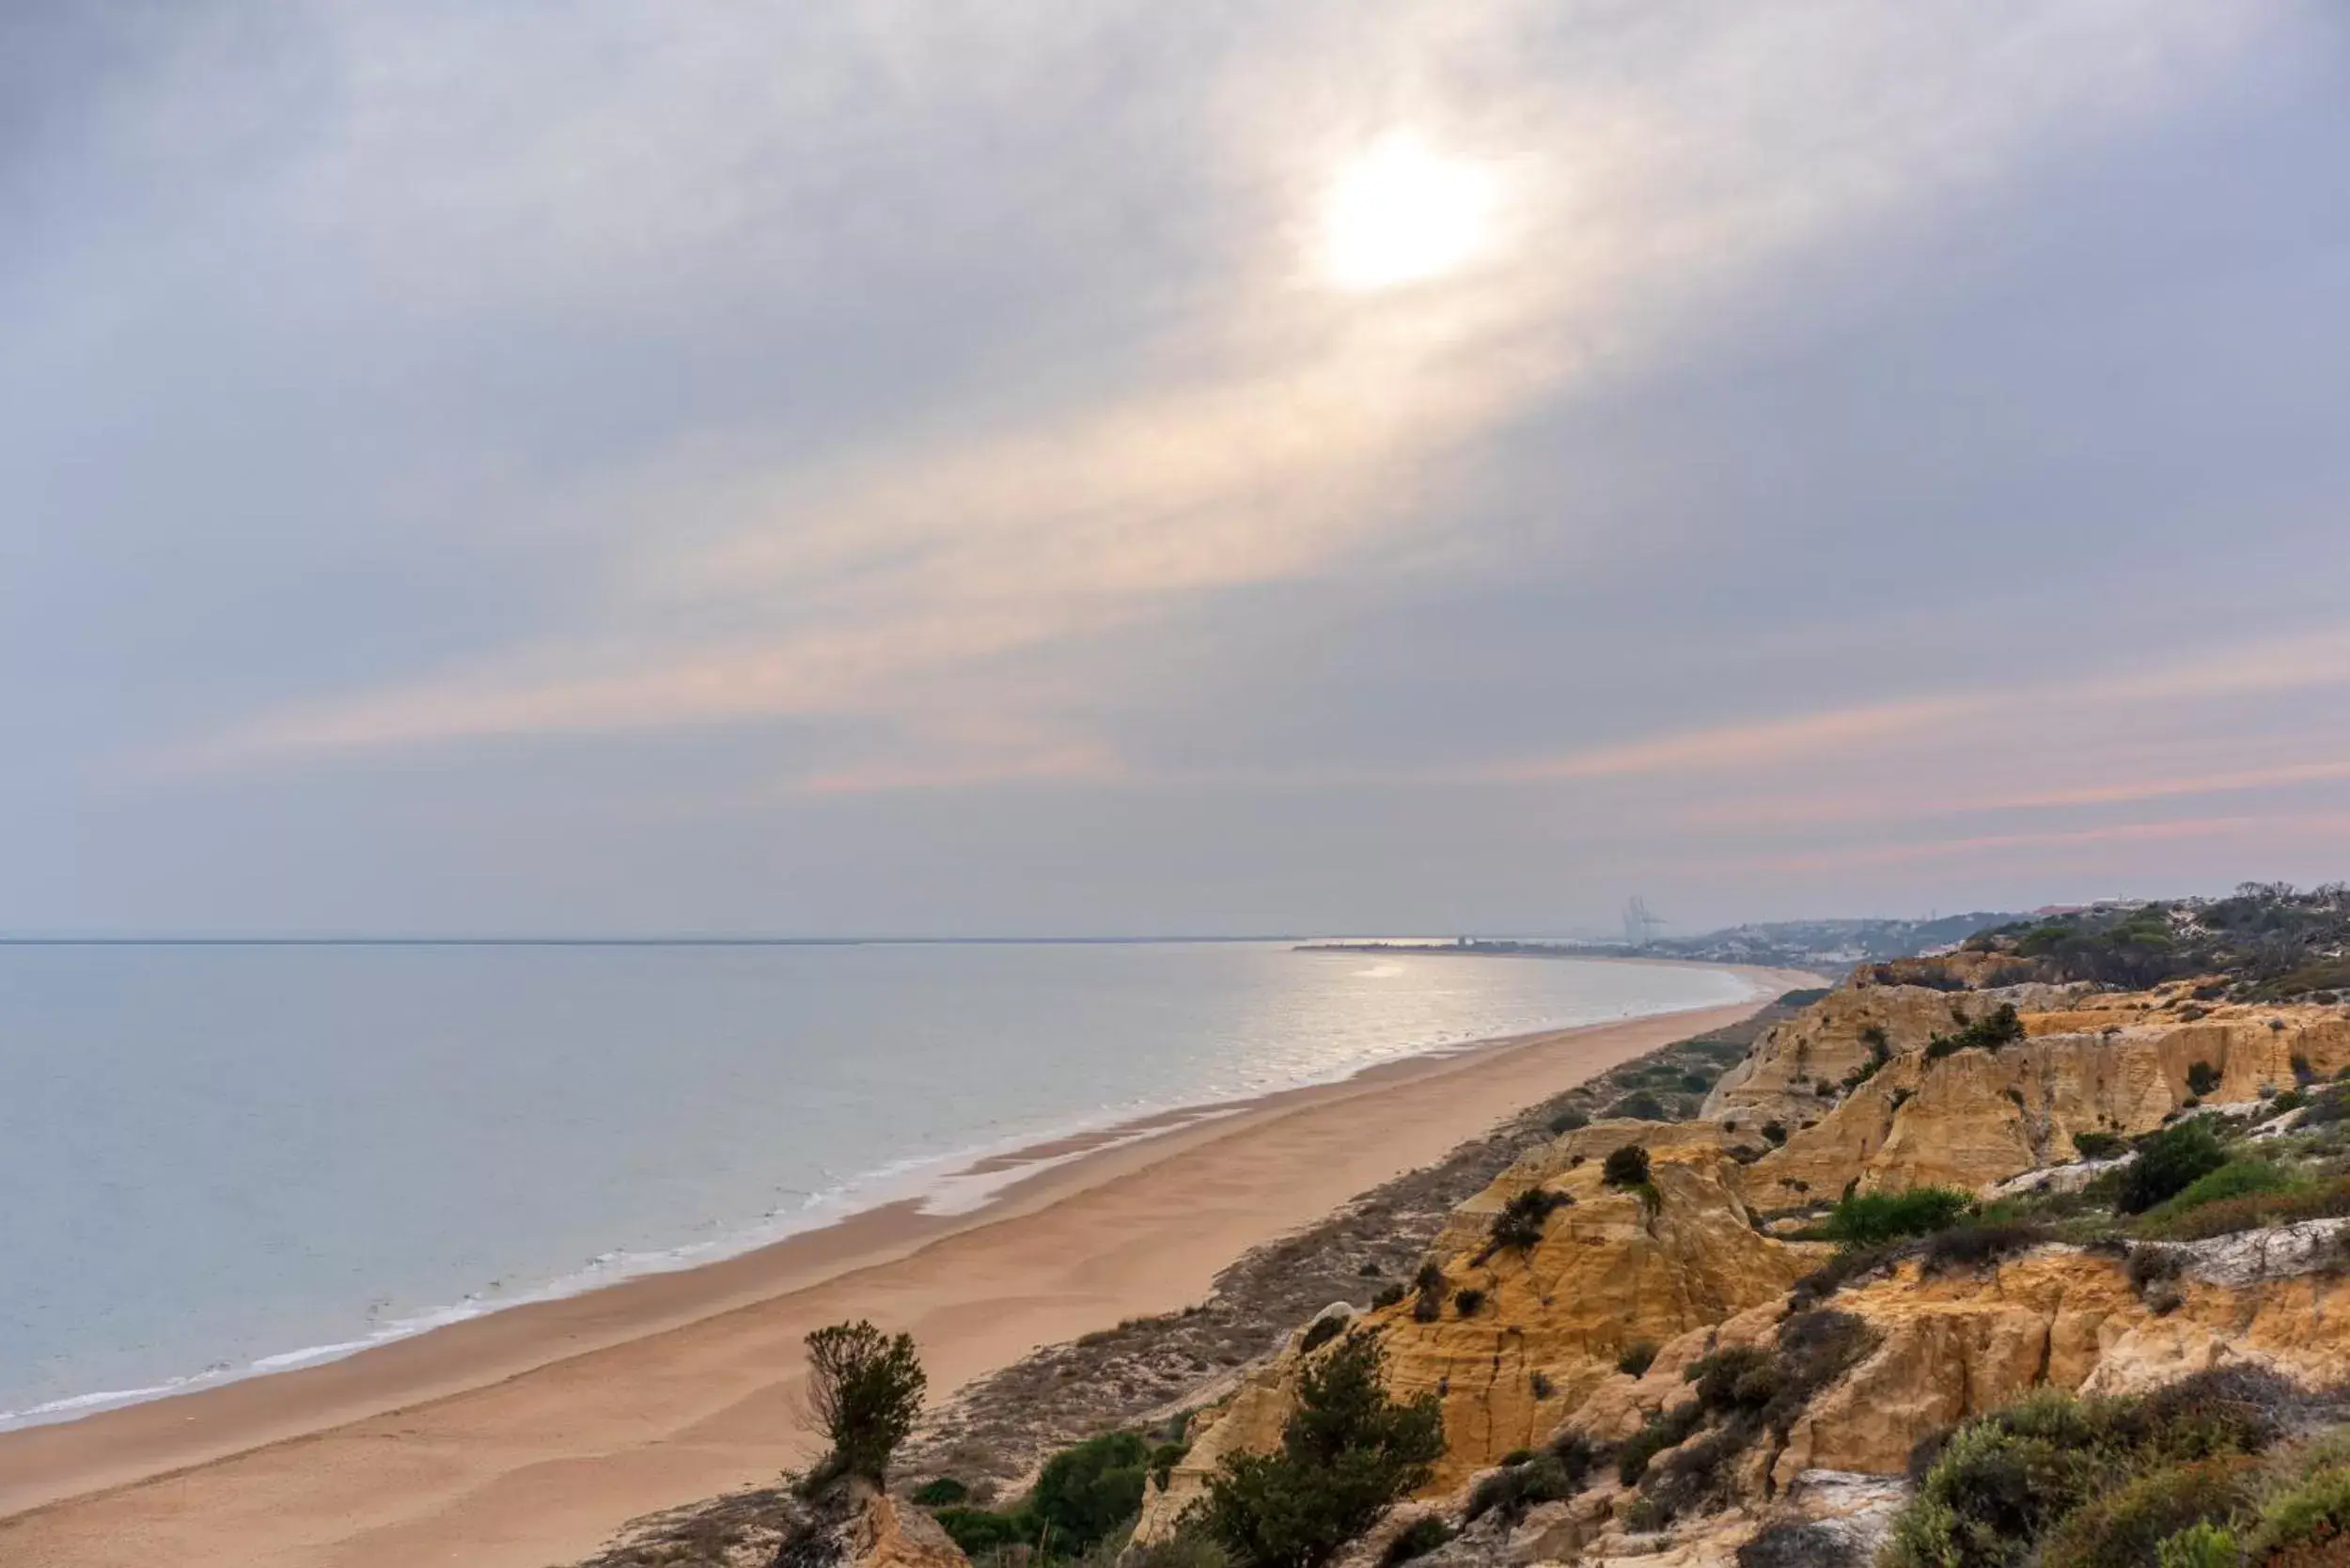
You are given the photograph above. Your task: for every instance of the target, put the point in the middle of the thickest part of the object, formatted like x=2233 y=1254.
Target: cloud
x=1297 y=430
x=728 y=420
x=1964 y=720
x=2328 y=829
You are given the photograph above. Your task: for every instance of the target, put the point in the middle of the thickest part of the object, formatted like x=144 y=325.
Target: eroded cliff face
x=1691 y=1272
x=1611 y=1271
x=1613 y=1268
x=1795 y=1071
x=1960 y=1345
x=1249 y=1421
x=1941 y=1348
x=862 y=1528
x=1977 y=1117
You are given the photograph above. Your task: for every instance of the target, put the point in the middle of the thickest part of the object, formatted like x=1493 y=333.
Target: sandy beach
x=527 y=1437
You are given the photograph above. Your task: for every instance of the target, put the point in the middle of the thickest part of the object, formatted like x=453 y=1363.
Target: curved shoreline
x=952 y=1182
x=591 y=1381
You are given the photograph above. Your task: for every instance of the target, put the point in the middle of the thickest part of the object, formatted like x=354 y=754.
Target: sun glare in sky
x=1400 y=214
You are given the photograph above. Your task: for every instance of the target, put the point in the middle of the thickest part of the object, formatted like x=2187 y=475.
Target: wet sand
x=527 y=1437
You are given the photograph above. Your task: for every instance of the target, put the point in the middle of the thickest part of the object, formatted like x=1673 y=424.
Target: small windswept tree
x=865 y=1388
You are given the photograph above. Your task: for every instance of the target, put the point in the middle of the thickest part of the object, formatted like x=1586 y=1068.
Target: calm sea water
x=215 y=1160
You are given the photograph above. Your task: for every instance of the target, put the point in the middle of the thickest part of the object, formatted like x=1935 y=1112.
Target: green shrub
x=865 y=1389
x=1640 y=1107
x=1085 y=1492
x=2201 y=1078
x=1742 y=1377
x=1872 y=1218
x=1164 y=1459
x=1577 y=1453
x=2204 y=1545
x=1183 y=1550
x=1667 y=1428
x=1636 y=1358
x=1512 y=1490
x=2236 y=1179
x=1791 y=1545
x=1801 y=999
x=1992 y=1489
x=2125 y=1527
x=1388 y=1295
x=2167 y=1163
x=1626 y=1166
x=1467 y=1299
x=2327 y=1107
x=1347 y=1452
x=1815 y=1348
x=1429 y=1282
x=2099 y=1146
x=1880 y=1052
x=1569 y=1120
x=1322 y=1330
x=2151 y=1266
x=1418 y=1539
x=941 y=1493
x=2005 y=1483
x=1695 y=1474
x=978 y=1530
x=2315 y=1513
x=2289 y=1205
x=1998 y=1027
x=1965 y=1246
x=1518 y=1227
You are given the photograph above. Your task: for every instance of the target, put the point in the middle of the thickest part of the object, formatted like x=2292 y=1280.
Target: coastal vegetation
x=2220 y=1466
x=1919 y=1297
x=1082 y=1496
x=1346 y=1453
x=2267 y=942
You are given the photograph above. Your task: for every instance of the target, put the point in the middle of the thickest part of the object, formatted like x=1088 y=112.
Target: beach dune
x=528 y=1436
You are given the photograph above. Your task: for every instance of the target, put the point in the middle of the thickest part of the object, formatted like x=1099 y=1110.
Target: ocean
x=219 y=1160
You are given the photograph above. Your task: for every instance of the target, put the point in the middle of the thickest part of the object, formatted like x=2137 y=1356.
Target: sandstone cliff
x=858 y=1527
x=1795 y=1071
x=1613 y=1269
x=1977 y=1117
x=1928 y=1347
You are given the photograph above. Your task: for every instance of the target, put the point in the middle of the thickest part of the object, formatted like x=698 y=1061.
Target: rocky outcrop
x=1612 y=1270
x=1529 y=1355
x=1249 y=1421
x=1977 y=1117
x=857 y=1526
x=1952 y=1345
x=1794 y=1072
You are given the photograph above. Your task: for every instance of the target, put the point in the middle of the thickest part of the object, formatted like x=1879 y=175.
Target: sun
x=1400 y=214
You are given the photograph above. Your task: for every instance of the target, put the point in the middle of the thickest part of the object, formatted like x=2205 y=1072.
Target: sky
x=1021 y=468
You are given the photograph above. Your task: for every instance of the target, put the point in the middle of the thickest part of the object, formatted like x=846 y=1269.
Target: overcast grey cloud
x=935 y=468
